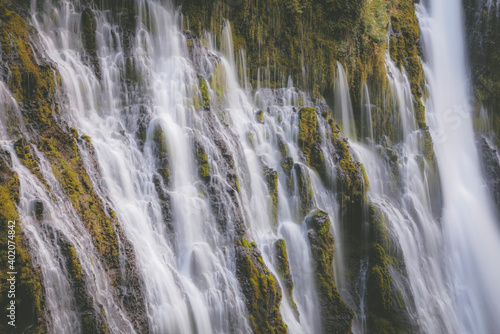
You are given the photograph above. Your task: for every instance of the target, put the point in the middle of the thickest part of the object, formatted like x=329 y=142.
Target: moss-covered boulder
x=336 y=316
x=262 y=292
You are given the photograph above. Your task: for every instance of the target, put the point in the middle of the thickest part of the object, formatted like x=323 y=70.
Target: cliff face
x=303 y=39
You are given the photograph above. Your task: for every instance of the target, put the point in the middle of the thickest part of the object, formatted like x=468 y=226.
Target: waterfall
x=470 y=226
x=187 y=161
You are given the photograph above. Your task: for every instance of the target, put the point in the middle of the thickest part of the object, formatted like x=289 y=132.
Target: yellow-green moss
x=23 y=152
x=283 y=267
x=204 y=93
x=305 y=192
x=262 y=292
x=29 y=302
x=74 y=266
x=259 y=116
x=203 y=167
x=308 y=127
x=336 y=316
x=272 y=185
x=31 y=82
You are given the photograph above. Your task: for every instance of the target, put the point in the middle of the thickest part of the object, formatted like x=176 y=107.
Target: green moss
x=74 y=266
x=404 y=45
x=336 y=316
x=259 y=116
x=87 y=139
x=351 y=188
x=428 y=147
x=283 y=268
x=261 y=291
x=282 y=146
x=23 y=152
x=30 y=81
x=203 y=167
x=218 y=81
x=365 y=177
x=204 y=93
x=287 y=167
x=272 y=185
x=308 y=127
x=29 y=298
x=88 y=28
x=304 y=190
x=250 y=139
x=68 y=168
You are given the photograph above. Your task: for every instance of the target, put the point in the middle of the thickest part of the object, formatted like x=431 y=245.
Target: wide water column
x=470 y=224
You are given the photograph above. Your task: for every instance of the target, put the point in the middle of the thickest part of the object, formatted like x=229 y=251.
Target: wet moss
x=351 y=190
x=23 y=152
x=262 y=292
x=202 y=160
x=283 y=267
x=68 y=168
x=272 y=185
x=308 y=128
x=404 y=44
x=204 y=93
x=29 y=297
x=336 y=316
x=87 y=140
x=74 y=266
x=31 y=82
x=259 y=116
x=428 y=147
x=304 y=190
x=310 y=143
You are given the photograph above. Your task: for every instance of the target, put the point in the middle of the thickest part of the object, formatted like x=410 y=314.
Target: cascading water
x=185 y=158
x=470 y=225
x=186 y=260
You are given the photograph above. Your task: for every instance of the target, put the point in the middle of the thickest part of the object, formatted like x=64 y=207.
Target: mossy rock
x=310 y=142
x=272 y=185
x=202 y=161
x=262 y=292
x=29 y=296
x=283 y=267
x=204 y=93
x=336 y=316
x=305 y=192
x=287 y=167
x=259 y=116
x=23 y=152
